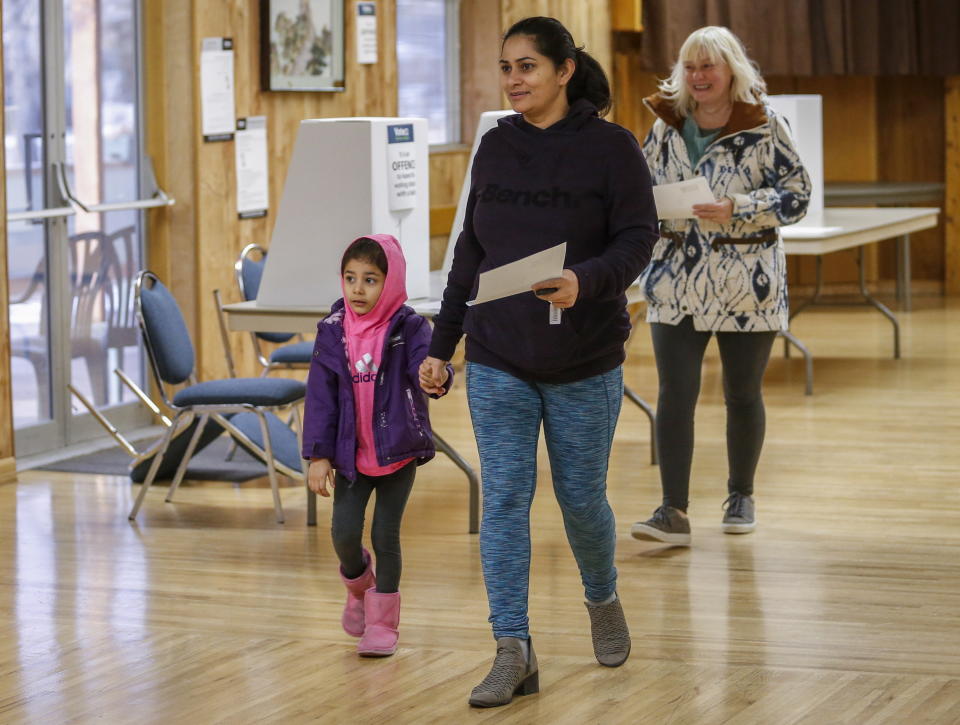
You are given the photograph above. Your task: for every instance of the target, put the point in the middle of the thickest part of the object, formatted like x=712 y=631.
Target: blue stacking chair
x=172 y=360
x=289 y=356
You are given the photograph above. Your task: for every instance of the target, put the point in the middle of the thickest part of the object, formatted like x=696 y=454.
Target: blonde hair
x=717 y=45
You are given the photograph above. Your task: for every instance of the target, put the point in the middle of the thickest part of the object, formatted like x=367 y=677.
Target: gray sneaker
x=739 y=515
x=667 y=525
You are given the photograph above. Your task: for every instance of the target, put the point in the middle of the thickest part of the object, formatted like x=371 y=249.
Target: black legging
x=349 y=507
x=679 y=351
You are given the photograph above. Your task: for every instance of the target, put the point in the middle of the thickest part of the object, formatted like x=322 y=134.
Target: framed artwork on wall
x=301 y=45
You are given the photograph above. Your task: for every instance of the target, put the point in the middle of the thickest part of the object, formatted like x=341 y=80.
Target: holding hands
x=433 y=376
x=564 y=292
x=320 y=476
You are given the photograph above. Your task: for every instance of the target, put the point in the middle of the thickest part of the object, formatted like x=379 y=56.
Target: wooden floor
x=843 y=607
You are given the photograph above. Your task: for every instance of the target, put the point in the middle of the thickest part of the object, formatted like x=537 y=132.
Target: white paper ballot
x=675 y=201
x=520 y=276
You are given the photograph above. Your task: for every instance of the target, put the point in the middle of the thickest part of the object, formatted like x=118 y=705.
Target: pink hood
x=392 y=297
x=365 y=336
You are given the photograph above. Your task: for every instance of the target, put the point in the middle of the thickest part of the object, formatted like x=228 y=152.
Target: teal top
x=697 y=139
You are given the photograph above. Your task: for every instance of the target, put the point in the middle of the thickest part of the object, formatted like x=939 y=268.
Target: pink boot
x=352 y=619
x=382 y=615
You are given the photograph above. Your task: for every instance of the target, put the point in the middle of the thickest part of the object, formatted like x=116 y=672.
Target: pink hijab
x=365 y=336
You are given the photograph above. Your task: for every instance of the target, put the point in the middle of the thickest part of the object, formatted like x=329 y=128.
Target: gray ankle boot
x=611 y=638
x=510 y=675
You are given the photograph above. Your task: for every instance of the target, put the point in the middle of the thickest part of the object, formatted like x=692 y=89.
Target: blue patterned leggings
x=578 y=423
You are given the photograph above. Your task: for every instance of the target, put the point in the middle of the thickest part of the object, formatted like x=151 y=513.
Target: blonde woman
x=721 y=272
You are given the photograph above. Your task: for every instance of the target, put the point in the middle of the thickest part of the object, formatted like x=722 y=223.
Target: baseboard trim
x=918 y=288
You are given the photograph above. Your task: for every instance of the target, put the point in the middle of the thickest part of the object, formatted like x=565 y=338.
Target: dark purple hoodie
x=582 y=181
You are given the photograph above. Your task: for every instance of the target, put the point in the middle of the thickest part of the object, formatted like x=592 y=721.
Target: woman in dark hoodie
x=555 y=172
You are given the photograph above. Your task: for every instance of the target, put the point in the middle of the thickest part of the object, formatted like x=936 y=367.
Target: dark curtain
x=815 y=37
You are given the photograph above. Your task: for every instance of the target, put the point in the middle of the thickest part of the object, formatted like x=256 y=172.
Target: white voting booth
x=438 y=280
x=348 y=177
x=804 y=115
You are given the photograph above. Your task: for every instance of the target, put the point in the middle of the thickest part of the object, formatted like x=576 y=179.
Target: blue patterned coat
x=695 y=269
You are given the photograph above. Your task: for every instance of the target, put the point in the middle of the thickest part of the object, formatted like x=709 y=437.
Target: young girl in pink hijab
x=366 y=429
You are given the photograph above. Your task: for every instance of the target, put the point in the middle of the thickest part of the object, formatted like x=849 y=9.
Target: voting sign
x=401 y=167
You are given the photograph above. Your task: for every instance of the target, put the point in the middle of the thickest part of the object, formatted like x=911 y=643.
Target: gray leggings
x=679 y=351
x=349 y=508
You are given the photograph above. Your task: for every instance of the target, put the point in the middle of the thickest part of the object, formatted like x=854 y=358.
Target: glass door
x=74 y=174
x=33 y=221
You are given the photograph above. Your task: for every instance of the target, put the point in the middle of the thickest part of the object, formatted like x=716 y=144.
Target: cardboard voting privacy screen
x=346 y=179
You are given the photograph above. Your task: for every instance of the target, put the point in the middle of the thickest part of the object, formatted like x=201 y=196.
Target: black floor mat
x=208 y=465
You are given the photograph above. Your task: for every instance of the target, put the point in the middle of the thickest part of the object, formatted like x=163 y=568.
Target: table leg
x=878 y=304
x=474 y=483
x=297 y=420
x=812 y=300
x=645 y=407
x=904 y=274
x=311 y=505
x=790 y=339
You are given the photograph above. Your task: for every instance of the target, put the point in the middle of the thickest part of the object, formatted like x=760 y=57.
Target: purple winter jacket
x=402 y=424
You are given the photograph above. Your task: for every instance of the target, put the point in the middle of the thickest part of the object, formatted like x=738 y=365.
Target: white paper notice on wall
x=401 y=167
x=216 y=89
x=253 y=191
x=366 y=32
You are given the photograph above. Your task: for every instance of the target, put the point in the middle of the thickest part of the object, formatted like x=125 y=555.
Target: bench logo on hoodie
x=553 y=198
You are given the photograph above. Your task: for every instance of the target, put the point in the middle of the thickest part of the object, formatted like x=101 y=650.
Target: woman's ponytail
x=590 y=82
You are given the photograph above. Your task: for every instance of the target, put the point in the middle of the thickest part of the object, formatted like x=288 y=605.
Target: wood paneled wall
x=910 y=147
x=480 y=30
x=447 y=172
x=195 y=243
x=8 y=471
x=952 y=193
x=169 y=121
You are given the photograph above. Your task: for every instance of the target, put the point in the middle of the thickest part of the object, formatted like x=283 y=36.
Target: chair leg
x=187 y=455
x=155 y=466
x=97 y=371
x=271 y=469
x=473 y=525
x=41 y=371
x=311 y=496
